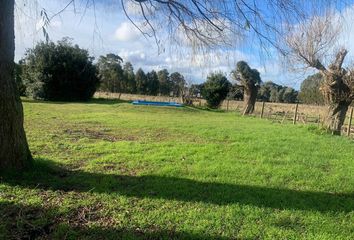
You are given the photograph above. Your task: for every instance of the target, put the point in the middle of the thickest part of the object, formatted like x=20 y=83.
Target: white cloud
x=126 y=32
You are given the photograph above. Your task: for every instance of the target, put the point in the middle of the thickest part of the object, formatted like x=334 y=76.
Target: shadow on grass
x=19 y=221
x=91 y=101
x=46 y=175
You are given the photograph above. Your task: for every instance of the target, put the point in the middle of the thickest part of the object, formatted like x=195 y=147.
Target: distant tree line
x=267 y=91
x=63 y=71
x=310 y=90
x=120 y=78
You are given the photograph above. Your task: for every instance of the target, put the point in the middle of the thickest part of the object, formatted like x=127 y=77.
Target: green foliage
x=111 y=73
x=115 y=78
x=129 y=75
x=60 y=72
x=310 y=90
x=289 y=95
x=141 y=82
x=164 y=82
x=246 y=75
x=272 y=92
x=178 y=83
x=18 y=78
x=152 y=83
x=196 y=90
x=215 y=89
x=235 y=92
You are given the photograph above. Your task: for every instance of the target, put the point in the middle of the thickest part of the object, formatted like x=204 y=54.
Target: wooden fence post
x=227 y=105
x=295 y=114
x=350 y=121
x=262 y=111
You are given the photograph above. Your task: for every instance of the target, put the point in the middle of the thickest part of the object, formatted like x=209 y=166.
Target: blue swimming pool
x=151 y=103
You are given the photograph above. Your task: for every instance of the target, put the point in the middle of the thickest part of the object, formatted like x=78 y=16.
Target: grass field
x=110 y=170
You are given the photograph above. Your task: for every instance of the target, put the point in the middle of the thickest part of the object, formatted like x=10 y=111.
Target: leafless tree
x=209 y=24
x=314 y=44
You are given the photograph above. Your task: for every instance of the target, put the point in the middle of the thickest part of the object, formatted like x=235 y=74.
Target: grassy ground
x=110 y=170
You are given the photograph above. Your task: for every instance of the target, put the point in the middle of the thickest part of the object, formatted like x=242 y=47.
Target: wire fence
x=277 y=112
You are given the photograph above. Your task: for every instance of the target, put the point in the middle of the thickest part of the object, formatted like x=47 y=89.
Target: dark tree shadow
x=19 y=221
x=46 y=175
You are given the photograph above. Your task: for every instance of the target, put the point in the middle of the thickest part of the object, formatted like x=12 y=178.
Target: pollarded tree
x=250 y=80
x=310 y=44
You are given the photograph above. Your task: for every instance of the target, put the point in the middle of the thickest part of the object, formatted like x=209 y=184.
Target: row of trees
x=247 y=86
x=121 y=79
x=261 y=91
x=64 y=72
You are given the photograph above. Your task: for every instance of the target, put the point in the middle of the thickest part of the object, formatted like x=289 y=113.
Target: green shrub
x=215 y=89
x=59 y=72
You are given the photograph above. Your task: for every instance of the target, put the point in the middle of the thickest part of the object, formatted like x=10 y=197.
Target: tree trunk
x=14 y=151
x=250 y=96
x=337 y=95
x=336 y=116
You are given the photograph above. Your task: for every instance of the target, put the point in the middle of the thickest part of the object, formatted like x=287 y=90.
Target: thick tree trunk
x=14 y=151
x=336 y=116
x=337 y=95
x=249 y=98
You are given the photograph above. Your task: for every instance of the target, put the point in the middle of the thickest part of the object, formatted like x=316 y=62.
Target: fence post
x=227 y=105
x=262 y=111
x=295 y=114
x=350 y=121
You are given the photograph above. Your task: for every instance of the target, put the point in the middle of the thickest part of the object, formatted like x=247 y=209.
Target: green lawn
x=110 y=170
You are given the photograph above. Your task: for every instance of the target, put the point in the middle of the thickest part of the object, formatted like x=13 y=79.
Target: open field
x=270 y=107
x=110 y=170
x=277 y=112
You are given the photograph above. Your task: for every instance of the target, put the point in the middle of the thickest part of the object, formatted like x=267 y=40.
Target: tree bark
x=337 y=95
x=14 y=151
x=250 y=96
x=336 y=116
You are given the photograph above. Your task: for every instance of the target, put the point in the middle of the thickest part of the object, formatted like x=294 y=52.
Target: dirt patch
x=120 y=167
x=84 y=215
x=76 y=134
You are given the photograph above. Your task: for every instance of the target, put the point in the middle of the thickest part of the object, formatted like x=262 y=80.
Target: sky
x=103 y=30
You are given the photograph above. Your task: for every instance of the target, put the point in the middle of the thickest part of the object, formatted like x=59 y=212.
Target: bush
x=215 y=89
x=59 y=72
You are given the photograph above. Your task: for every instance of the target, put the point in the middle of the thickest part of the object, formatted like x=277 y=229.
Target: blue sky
x=107 y=30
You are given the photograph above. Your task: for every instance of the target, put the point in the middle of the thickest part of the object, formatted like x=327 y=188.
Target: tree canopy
x=59 y=71
x=215 y=89
x=310 y=90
